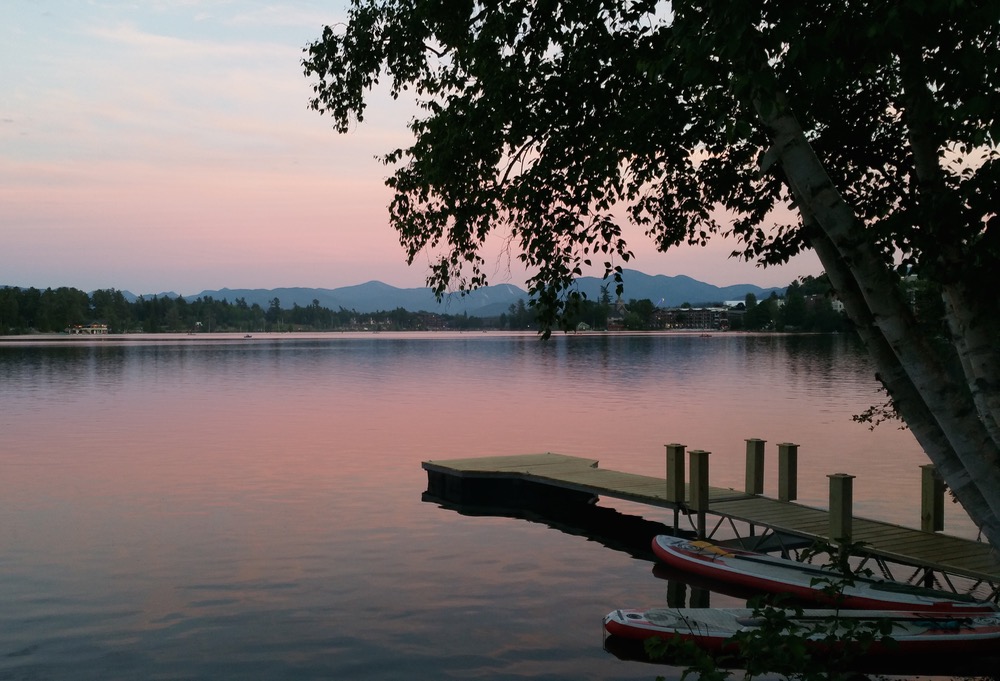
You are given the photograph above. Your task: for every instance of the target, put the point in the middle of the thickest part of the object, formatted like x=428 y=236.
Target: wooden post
x=755 y=466
x=675 y=473
x=841 y=503
x=788 y=471
x=700 y=597
x=699 y=487
x=676 y=593
x=675 y=480
x=931 y=499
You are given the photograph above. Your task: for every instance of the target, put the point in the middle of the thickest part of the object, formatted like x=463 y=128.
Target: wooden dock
x=581 y=479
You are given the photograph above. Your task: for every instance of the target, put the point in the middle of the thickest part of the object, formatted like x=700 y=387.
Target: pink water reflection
x=266 y=422
x=256 y=494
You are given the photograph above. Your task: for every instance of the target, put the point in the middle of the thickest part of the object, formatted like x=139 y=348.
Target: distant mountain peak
x=373 y=296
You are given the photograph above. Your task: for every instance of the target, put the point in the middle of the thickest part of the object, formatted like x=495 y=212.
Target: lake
x=214 y=507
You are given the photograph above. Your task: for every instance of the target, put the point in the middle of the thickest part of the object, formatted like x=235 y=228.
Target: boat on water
x=713 y=629
x=808 y=583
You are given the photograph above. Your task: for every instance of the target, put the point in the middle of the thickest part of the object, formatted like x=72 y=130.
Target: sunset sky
x=167 y=146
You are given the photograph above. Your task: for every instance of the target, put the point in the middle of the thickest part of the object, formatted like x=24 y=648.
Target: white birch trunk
x=882 y=310
x=904 y=396
x=977 y=349
x=973 y=329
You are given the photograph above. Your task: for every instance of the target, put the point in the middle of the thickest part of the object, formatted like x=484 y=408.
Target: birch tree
x=865 y=131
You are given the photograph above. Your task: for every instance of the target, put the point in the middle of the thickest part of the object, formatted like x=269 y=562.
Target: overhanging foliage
x=866 y=131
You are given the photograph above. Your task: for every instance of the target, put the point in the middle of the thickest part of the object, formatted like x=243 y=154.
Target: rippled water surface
x=228 y=508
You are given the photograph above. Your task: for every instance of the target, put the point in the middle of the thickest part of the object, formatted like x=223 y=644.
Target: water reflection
x=221 y=508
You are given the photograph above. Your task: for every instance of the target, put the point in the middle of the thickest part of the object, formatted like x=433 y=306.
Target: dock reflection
x=607 y=526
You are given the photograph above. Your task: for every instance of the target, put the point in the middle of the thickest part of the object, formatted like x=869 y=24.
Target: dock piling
x=788 y=471
x=675 y=473
x=755 y=466
x=699 y=487
x=675 y=479
x=841 y=503
x=931 y=499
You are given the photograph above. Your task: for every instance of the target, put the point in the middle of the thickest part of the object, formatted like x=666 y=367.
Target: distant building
x=616 y=317
x=697 y=318
x=88 y=329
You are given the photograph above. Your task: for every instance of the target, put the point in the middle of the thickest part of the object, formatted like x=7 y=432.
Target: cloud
x=287 y=15
x=173 y=48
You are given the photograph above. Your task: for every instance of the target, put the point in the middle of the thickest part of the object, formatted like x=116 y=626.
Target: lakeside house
x=88 y=329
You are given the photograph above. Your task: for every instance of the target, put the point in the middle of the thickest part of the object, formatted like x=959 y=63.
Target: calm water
x=221 y=508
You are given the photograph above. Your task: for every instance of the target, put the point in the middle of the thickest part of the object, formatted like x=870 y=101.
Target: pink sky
x=168 y=146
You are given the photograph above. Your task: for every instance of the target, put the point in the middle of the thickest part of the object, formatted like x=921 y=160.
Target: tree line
x=805 y=307
x=30 y=310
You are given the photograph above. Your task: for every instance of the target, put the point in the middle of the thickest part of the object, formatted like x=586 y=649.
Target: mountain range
x=490 y=301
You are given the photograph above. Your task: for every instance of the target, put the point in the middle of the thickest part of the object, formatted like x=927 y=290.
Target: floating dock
x=769 y=524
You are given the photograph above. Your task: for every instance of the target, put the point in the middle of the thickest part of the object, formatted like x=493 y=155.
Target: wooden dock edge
x=504 y=480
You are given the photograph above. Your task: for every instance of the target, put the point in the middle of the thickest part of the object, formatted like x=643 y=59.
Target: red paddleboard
x=911 y=633
x=805 y=582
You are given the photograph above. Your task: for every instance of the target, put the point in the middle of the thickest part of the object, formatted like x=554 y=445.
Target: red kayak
x=805 y=582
